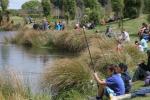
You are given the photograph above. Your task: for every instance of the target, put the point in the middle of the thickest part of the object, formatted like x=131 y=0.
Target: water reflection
x=4 y=54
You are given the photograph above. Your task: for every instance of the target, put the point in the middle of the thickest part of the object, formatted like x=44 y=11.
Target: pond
x=27 y=62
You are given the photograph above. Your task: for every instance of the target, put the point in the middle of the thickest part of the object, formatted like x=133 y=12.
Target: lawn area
x=130 y=26
x=137 y=85
x=17 y=19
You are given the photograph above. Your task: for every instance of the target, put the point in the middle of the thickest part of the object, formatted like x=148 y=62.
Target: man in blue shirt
x=112 y=86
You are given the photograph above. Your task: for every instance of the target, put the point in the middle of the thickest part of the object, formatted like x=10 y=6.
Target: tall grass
x=104 y=56
x=68 y=75
x=8 y=26
x=12 y=88
x=72 y=40
x=30 y=37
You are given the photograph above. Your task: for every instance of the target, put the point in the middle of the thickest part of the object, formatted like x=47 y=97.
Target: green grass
x=137 y=85
x=142 y=98
x=17 y=19
x=131 y=26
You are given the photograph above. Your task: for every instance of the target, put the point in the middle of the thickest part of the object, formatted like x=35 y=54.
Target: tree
x=132 y=8
x=1 y=17
x=80 y=3
x=92 y=16
x=31 y=5
x=4 y=4
x=147 y=6
x=148 y=18
x=103 y=2
x=46 y=7
x=117 y=6
x=70 y=8
x=92 y=4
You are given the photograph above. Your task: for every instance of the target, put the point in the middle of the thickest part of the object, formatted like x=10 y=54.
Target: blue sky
x=16 y=4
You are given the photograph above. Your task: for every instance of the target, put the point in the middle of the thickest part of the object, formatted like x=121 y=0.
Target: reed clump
x=104 y=51
x=9 y=26
x=11 y=87
x=30 y=37
x=68 y=40
x=72 y=41
x=68 y=75
x=135 y=54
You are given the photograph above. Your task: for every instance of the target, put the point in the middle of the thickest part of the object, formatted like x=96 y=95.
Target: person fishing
x=112 y=86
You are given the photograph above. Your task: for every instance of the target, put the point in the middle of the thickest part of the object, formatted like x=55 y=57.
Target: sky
x=16 y=4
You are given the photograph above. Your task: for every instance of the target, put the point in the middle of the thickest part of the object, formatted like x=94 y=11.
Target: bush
x=94 y=16
x=132 y=8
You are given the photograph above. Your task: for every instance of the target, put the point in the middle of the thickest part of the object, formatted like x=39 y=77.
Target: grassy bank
x=71 y=41
x=132 y=26
x=76 y=74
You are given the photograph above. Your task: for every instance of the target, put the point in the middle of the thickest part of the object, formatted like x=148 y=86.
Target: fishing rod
x=85 y=37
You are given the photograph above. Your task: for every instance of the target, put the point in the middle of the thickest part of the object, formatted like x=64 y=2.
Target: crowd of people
x=46 y=25
x=119 y=82
x=141 y=44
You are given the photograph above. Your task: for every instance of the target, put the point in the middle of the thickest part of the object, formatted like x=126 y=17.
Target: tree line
x=91 y=10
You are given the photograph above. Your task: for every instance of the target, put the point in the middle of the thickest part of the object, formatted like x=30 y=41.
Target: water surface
x=29 y=62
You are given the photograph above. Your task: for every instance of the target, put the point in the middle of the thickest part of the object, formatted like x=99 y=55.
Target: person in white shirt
x=125 y=36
